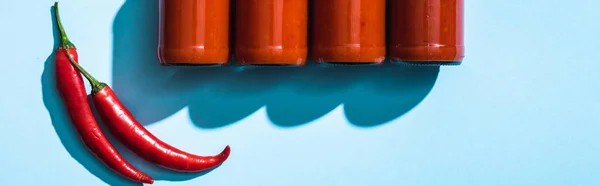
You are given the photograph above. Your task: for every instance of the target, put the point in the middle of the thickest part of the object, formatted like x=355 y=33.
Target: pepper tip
x=225 y=153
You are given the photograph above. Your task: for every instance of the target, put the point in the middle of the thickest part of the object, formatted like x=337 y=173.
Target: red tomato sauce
x=426 y=31
x=194 y=32
x=271 y=32
x=348 y=31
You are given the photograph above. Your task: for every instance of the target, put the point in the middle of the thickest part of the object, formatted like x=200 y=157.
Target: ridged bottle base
x=192 y=65
x=270 y=65
x=427 y=63
x=333 y=64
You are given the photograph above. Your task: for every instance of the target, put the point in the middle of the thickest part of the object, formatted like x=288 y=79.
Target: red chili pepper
x=121 y=123
x=72 y=90
x=134 y=136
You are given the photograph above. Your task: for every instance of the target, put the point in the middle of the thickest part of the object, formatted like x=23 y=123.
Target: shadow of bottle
x=138 y=80
x=144 y=87
x=217 y=97
x=371 y=95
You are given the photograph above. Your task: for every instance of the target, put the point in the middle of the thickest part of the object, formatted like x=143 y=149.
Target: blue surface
x=522 y=110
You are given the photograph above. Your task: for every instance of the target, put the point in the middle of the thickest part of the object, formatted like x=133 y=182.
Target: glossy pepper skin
x=122 y=124
x=72 y=91
x=132 y=134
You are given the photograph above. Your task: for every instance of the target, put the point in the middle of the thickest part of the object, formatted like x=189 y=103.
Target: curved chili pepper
x=72 y=90
x=132 y=134
x=121 y=123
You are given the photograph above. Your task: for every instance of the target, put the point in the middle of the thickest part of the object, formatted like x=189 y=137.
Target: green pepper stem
x=64 y=40
x=96 y=85
x=66 y=44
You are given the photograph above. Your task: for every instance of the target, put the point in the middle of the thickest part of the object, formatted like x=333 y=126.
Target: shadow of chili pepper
x=71 y=141
x=63 y=126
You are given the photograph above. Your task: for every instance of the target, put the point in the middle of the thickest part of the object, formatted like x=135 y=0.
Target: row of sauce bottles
x=289 y=32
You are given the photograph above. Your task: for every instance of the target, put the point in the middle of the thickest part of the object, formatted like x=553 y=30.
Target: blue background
x=521 y=110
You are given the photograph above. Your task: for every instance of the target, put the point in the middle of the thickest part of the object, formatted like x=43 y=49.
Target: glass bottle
x=271 y=32
x=193 y=32
x=426 y=32
x=348 y=31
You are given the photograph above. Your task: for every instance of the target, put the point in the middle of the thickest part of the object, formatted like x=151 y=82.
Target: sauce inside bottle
x=428 y=32
x=193 y=32
x=271 y=32
x=348 y=31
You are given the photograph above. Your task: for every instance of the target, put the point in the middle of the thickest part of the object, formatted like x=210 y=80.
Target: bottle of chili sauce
x=348 y=31
x=271 y=32
x=193 y=32
x=427 y=32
